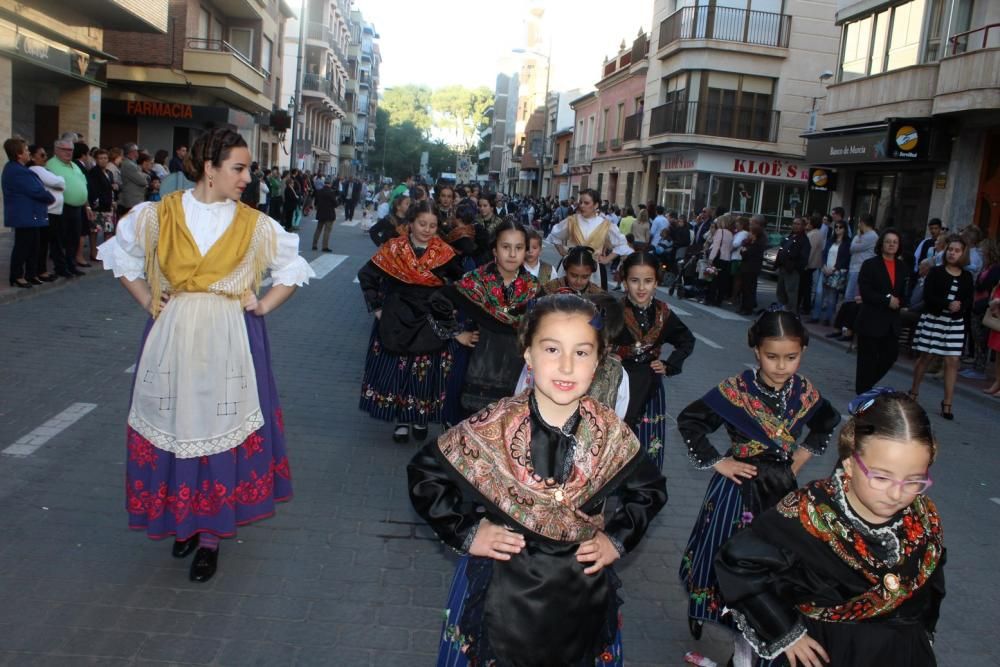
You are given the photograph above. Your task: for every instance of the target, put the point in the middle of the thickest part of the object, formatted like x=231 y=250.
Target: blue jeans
x=828 y=304
x=852 y=286
x=817 y=296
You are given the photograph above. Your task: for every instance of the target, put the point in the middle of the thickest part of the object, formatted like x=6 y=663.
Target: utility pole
x=297 y=99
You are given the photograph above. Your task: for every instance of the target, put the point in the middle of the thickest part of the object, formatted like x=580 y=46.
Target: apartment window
x=604 y=124
x=215 y=33
x=639 y=103
x=620 y=130
x=265 y=55
x=204 y=23
x=675 y=88
x=241 y=39
x=736 y=105
x=892 y=38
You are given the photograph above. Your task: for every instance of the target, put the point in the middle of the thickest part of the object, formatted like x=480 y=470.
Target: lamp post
x=545 y=122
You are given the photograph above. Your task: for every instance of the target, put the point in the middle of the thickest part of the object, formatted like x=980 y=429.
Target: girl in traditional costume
x=206 y=444
x=578 y=266
x=649 y=324
x=848 y=571
x=588 y=227
x=520 y=488
x=492 y=299
x=410 y=352
x=469 y=239
x=764 y=412
x=394 y=224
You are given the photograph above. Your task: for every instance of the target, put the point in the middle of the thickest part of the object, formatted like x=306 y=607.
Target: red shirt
x=890 y=266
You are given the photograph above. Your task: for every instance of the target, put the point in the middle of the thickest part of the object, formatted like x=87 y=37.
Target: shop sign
x=171 y=111
x=823 y=180
x=158 y=109
x=718 y=162
x=908 y=139
x=846 y=148
x=37 y=50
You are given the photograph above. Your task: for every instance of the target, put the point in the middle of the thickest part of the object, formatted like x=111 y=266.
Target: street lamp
x=545 y=123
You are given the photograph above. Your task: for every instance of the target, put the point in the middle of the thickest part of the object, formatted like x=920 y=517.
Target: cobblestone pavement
x=345 y=574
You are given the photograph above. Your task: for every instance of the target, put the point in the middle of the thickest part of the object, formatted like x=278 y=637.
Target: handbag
x=836 y=280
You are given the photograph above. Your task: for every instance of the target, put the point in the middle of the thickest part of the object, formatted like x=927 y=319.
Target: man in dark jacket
x=251 y=194
x=351 y=193
x=793 y=256
x=326 y=212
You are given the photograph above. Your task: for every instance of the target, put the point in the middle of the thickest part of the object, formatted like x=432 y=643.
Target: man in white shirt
x=660 y=223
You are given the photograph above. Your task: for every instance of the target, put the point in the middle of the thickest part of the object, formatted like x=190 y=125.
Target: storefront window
x=736 y=194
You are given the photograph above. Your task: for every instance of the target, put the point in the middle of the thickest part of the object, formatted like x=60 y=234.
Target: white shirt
x=125 y=253
x=54 y=184
x=533 y=270
x=739 y=238
x=619 y=244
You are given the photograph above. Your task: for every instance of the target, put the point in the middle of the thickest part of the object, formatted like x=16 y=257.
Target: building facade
x=617 y=165
x=218 y=64
x=54 y=63
x=529 y=151
x=730 y=90
x=363 y=61
x=910 y=128
x=585 y=111
x=502 y=132
x=322 y=39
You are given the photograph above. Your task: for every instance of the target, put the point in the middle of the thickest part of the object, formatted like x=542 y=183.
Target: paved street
x=345 y=574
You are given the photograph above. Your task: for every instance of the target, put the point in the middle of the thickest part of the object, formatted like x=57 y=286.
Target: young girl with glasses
x=848 y=571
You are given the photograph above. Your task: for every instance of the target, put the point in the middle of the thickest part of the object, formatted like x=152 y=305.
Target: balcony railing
x=970 y=40
x=633 y=127
x=602 y=146
x=716 y=120
x=581 y=154
x=317 y=83
x=640 y=48
x=616 y=144
x=727 y=24
x=221 y=46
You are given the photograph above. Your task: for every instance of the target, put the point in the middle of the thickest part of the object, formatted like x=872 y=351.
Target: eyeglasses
x=878 y=482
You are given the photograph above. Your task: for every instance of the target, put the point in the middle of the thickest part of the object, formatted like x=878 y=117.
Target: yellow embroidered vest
x=234 y=265
x=598 y=239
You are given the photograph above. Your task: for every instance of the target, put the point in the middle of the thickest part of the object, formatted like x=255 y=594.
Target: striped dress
x=939 y=331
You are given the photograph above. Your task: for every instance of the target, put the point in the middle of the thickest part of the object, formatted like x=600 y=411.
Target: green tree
x=459 y=113
x=408 y=104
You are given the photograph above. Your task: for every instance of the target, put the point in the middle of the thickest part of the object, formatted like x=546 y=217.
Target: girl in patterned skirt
x=764 y=412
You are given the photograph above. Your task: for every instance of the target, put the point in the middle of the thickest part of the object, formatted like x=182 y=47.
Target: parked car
x=770 y=263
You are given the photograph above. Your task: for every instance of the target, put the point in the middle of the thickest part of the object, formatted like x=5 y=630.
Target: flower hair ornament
x=864 y=401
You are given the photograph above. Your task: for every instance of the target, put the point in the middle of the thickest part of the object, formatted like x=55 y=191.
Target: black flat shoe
x=327 y=250
x=419 y=432
x=48 y=278
x=695 y=628
x=77 y=272
x=36 y=281
x=204 y=565
x=401 y=434
x=184 y=549
x=22 y=285
x=947 y=414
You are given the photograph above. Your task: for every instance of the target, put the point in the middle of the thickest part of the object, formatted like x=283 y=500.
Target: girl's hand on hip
x=735 y=470
x=598 y=550
x=496 y=542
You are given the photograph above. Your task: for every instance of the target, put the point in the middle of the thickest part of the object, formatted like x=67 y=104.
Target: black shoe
x=184 y=549
x=77 y=272
x=419 y=432
x=64 y=274
x=22 y=285
x=947 y=414
x=695 y=628
x=315 y=248
x=36 y=281
x=205 y=562
x=327 y=250
x=48 y=278
x=401 y=434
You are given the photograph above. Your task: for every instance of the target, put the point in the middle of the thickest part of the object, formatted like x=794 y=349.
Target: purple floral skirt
x=167 y=496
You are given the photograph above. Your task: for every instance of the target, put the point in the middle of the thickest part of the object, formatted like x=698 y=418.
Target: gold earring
x=210 y=184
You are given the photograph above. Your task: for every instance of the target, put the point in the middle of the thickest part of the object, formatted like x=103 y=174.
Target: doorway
x=46 y=125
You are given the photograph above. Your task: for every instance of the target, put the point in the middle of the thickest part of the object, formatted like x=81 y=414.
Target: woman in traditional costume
x=492 y=299
x=764 y=412
x=394 y=224
x=649 y=325
x=520 y=489
x=409 y=355
x=468 y=238
x=588 y=227
x=206 y=444
x=847 y=571
x=578 y=267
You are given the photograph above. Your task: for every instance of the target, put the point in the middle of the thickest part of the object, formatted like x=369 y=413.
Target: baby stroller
x=691 y=282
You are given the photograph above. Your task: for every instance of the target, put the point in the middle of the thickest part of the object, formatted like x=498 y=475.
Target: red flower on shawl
x=914 y=530
x=497 y=292
x=467 y=282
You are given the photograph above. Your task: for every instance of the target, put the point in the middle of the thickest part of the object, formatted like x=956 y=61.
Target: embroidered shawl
x=490 y=451
x=914 y=540
x=645 y=343
x=484 y=287
x=738 y=400
x=173 y=255
x=459 y=232
x=397 y=258
x=598 y=239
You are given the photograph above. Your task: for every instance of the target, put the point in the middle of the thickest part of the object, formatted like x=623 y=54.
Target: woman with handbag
x=941 y=329
x=991 y=321
x=836 y=261
x=410 y=353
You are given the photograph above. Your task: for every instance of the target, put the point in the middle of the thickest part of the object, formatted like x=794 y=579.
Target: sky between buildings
x=442 y=42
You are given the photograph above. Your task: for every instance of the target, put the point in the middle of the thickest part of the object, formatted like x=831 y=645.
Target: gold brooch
x=891 y=582
x=559 y=495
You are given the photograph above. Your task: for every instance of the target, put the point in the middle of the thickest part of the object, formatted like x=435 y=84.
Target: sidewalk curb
x=961 y=389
